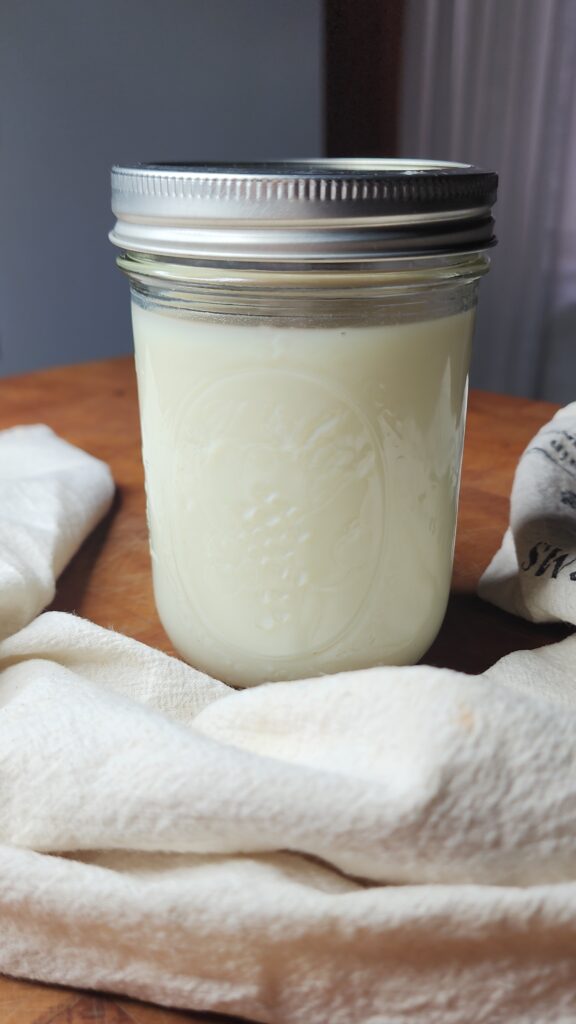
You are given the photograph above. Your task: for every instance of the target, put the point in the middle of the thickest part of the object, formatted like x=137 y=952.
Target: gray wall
x=84 y=84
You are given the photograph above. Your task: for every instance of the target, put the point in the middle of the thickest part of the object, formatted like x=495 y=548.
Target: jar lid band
x=322 y=211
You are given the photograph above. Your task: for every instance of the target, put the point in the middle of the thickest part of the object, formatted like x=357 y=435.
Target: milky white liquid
x=302 y=488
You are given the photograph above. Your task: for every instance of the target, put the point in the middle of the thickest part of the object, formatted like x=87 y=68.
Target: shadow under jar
x=302 y=336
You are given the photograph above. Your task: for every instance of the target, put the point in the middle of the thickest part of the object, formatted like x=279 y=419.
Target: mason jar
x=302 y=335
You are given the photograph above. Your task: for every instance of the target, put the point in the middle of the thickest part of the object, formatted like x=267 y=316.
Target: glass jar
x=302 y=337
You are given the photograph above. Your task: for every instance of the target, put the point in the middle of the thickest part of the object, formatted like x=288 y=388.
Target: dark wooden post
x=363 y=40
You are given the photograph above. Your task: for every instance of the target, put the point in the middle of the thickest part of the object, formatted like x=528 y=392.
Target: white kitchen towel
x=388 y=845
x=534 y=572
x=51 y=496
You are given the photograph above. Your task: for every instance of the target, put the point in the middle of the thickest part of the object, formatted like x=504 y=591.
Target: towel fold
x=51 y=497
x=393 y=844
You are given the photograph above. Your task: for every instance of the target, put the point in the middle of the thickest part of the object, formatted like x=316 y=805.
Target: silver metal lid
x=293 y=212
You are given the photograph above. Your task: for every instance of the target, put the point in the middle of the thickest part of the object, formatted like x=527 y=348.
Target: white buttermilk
x=302 y=487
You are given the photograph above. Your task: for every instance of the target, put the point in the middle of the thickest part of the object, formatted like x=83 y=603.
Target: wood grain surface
x=94 y=406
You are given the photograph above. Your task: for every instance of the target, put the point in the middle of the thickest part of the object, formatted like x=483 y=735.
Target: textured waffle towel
x=380 y=846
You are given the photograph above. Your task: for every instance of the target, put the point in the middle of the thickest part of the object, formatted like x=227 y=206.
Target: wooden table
x=94 y=406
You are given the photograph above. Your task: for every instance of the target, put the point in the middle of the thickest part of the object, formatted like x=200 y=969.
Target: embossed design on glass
x=282 y=486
